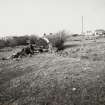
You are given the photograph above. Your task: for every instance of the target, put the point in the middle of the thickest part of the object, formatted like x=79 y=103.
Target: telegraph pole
x=82 y=25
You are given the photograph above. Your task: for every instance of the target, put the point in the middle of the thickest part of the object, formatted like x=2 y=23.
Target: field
x=76 y=77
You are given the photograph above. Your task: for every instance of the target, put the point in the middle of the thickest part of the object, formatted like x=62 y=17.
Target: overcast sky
x=38 y=16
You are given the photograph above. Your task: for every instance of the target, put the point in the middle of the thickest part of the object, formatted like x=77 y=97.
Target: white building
x=89 y=33
x=99 y=32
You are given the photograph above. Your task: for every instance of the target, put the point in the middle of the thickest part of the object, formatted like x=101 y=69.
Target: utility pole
x=82 y=25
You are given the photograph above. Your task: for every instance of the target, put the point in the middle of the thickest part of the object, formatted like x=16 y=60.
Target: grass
x=47 y=79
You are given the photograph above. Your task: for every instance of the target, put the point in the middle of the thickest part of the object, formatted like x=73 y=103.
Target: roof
x=100 y=30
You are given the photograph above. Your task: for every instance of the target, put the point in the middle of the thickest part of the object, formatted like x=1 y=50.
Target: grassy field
x=78 y=78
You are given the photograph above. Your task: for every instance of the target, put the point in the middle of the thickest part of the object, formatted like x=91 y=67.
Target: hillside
x=47 y=79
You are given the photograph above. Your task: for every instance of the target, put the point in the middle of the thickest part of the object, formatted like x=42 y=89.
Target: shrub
x=10 y=42
x=34 y=39
x=21 y=40
x=42 y=42
x=58 y=39
x=37 y=40
x=2 y=43
x=75 y=35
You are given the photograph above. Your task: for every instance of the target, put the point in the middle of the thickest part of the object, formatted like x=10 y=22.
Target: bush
x=75 y=35
x=20 y=40
x=34 y=39
x=10 y=42
x=37 y=40
x=2 y=43
x=58 y=39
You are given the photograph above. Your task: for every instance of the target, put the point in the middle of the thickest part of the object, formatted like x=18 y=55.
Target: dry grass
x=47 y=79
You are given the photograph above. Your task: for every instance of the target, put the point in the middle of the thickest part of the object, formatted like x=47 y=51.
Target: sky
x=19 y=17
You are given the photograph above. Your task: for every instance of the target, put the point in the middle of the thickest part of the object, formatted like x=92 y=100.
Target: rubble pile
x=28 y=51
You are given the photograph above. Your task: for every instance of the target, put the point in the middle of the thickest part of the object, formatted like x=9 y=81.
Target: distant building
x=89 y=32
x=50 y=33
x=99 y=32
